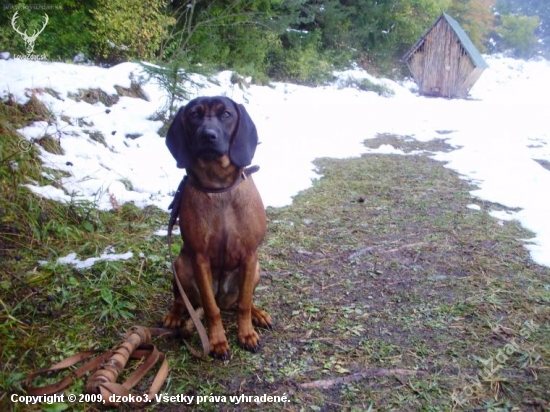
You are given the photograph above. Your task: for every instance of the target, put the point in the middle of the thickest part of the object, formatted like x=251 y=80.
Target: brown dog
x=221 y=217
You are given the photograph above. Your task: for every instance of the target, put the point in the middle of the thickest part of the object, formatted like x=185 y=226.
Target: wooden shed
x=444 y=62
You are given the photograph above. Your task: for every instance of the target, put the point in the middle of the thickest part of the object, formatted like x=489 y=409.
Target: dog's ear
x=245 y=139
x=176 y=140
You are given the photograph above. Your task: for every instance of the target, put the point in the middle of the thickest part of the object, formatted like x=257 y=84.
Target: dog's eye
x=226 y=114
x=194 y=114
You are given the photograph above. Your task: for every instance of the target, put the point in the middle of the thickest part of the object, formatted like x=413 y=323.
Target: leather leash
x=175 y=208
x=107 y=367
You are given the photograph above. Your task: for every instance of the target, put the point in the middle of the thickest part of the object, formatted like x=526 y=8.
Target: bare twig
x=379 y=248
x=369 y=373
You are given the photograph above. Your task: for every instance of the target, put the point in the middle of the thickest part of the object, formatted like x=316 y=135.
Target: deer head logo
x=29 y=40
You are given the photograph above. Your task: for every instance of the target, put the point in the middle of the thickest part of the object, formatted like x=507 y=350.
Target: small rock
x=5 y=55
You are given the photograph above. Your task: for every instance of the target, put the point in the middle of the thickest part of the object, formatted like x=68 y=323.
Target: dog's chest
x=228 y=229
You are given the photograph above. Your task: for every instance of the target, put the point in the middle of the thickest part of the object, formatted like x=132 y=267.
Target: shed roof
x=472 y=51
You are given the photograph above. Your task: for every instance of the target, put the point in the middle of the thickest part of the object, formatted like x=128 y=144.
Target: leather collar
x=175 y=205
x=242 y=177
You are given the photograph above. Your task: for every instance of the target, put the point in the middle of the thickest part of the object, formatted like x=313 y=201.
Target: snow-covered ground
x=498 y=134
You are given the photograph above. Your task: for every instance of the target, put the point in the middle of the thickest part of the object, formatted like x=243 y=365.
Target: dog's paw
x=250 y=341
x=171 y=321
x=220 y=350
x=261 y=318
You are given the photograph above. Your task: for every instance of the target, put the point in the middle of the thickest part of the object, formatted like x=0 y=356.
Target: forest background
x=298 y=41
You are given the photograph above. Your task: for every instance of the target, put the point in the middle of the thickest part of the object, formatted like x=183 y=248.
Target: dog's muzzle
x=211 y=144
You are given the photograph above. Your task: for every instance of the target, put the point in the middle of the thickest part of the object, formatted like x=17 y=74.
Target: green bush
x=126 y=29
x=300 y=61
x=518 y=34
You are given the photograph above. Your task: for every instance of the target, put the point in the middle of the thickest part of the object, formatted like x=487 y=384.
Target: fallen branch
x=369 y=373
x=379 y=249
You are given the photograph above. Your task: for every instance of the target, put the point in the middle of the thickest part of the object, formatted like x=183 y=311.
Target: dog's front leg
x=219 y=347
x=247 y=336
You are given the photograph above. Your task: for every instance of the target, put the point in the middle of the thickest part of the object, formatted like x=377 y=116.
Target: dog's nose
x=209 y=134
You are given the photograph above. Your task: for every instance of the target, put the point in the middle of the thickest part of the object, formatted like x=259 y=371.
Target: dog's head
x=210 y=127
